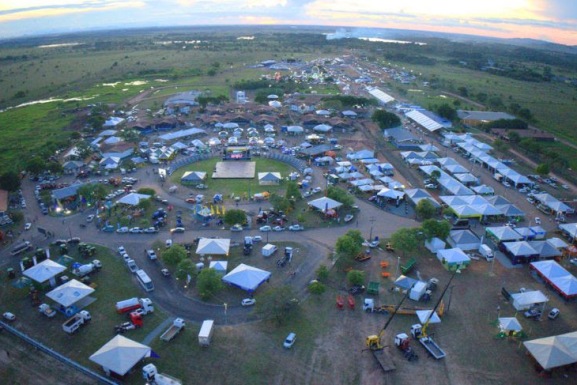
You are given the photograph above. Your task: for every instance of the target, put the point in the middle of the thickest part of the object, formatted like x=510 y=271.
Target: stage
x=234 y=170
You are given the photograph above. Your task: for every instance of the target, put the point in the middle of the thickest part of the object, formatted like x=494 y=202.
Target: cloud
x=38 y=9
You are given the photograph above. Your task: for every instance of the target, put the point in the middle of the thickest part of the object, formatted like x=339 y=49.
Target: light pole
x=398 y=266
x=372 y=220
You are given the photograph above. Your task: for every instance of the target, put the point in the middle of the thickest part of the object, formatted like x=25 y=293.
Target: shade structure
x=219 y=266
x=246 y=277
x=22 y=282
x=404 y=282
x=453 y=256
x=133 y=199
x=218 y=246
x=325 y=204
x=120 y=354
x=552 y=352
x=526 y=300
x=44 y=270
x=69 y=293
x=425 y=316
x=510 y=324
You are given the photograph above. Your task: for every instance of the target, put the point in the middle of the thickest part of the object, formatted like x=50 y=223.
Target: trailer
x=384 y=358
x=373 y=288
x=75 y=322
x=205 y=334
x=131 y=304
x=176 y=327
x=428 y=343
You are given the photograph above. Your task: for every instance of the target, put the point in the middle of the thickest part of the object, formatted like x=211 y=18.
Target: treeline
x=350 y=101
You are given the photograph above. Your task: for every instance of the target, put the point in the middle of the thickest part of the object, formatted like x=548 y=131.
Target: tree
x=234 y=216
x=35 y=165
x=356 y=277
x=447 y=112
x=348 y=247
x=514 y=137
x=340 y=195
x=385 y=119
x=276 y=303
x=185 y=268
x=542 y=169
x=463 y=91
x=405 y=240
x=292 y=191
x=10 y=180
x=500 y=145
x=280 y=203
x=425 y=209
x=434 y=228
x=317 y=288
x=146 y=191
x=173 y=255
x=92 y=191
x=435 y=175
x=322 y=273
x=208 y=283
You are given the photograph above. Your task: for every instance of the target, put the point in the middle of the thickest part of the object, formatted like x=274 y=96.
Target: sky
x=549 y=20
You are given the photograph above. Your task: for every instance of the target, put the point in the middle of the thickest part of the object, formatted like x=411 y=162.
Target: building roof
x=483 y=116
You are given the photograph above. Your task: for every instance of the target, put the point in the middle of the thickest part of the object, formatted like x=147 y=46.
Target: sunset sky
x=550 y=20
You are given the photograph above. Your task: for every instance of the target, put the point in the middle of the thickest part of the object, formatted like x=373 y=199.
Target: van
x=486 y=252
x=268 y=250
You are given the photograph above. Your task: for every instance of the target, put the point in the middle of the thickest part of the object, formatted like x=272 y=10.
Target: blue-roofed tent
x=247 y=278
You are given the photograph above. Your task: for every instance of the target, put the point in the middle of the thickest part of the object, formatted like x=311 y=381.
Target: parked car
x=278 y=228
x=27 y=226
x=236 y=227
x=537 y=220
x=90 y=218
x=289 y=340
x=135 y=230
x=121 y=250
x=265 y=228
x=151 y=255
x=190 y=200
x=257 y=238
x=9 y=316
x=431 y=186
x=122 y=230
x=533 y=313
x=349 y=217
x=553 y=313
x=165 y=272
x=296 y=228
x=150 y=230
x=177 y=230
x=248 y=302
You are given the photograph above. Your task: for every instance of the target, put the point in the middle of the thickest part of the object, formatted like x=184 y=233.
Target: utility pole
x=372 y=220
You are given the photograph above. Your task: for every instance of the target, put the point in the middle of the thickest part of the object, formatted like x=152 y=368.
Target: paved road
x=318 y=243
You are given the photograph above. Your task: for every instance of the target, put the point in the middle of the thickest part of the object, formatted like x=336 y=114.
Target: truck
x=87 y=269
x=135 y=322
x=152 y=377
x=46 y=310
x=429 y=344
x=176 y=327
x=486 y=252
x=268 y=250
x=76 y=321
x=131 y=304
x=418 y=290
x=370 y=307
x=21 y=247
x=205 y=334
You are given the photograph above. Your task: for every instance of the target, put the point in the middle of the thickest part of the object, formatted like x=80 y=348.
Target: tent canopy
x=220 y=266
x=522 y=301
x=453 y=256
x=425 y=314
x=70 y=293
x=44 y=270
x=217 y=246
x=324 y=204
x=120 y=354
x=133 y=199
x=551 y=352
x=247 y=278
x=510 y=324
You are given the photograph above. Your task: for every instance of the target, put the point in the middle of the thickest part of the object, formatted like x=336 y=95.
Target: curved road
x=318 y=243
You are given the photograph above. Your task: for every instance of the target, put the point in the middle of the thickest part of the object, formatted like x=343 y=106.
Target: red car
x=190 y=200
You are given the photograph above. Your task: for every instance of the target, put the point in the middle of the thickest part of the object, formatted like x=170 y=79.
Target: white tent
x=44 y=271
x=322 y=128
x=509 y=324
x=216 y=246
x=464 y=239
x=69 y=293
x=120 y=354
x=391 y=194
x=295 y=129
x=325 y=204
x=246 y=277
x=454 y=256
x=269 y=178
x=552 y=352
x=219 y=266
x=425 y=314
x=523 y=301
x=435 y=244
x=133 y=199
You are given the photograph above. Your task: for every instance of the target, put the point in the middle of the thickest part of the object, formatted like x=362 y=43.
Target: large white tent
x=324 y=204
x=44 y=270
x=246 y=277
x=69 y=293
x=555 y=351
x=120 y=354
x=527 y=299
x=215 y=246
x=133 y=199
x=453 y=258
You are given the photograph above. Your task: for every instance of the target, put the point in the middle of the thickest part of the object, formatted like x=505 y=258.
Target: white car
x=121 y=250
x=122 y=230
x=248 y=302
x=236 y=227
x=168 y=242
x=289 y=340
x=151 y=255
x=265 y=229
x=135 y=230
x=296 y=228
x=90 y=218
x=150 y=230
x=349 y=217
x=28 y=226
x=9 y=316
x=177 y=230
x=317 y=190
x=431 y=186
x=537 y=220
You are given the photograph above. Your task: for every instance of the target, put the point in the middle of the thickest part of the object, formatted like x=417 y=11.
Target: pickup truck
x=46 y=310
x=78 y=320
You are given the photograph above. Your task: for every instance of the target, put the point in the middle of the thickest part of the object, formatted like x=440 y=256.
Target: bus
x=21 y=247
x=144 y=280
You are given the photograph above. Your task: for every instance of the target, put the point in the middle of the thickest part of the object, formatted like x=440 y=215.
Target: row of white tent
x=555 y=275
